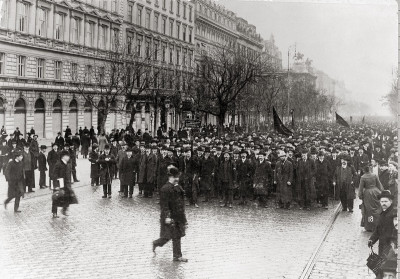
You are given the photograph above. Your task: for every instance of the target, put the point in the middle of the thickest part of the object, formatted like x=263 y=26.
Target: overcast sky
x=350 y=40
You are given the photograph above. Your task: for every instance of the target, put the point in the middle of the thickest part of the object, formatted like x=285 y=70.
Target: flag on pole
x=341 y=121
x=278 y=125
x=363 y=120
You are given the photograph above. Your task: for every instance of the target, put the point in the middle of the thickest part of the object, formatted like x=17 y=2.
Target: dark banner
x=278 y=125
x=341 y=121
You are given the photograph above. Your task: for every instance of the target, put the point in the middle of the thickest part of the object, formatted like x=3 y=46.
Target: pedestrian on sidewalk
x=172 y=219
x=16 y=181
x=370 y=189
x=42 y=165
x=106 y=162
x=385 y=227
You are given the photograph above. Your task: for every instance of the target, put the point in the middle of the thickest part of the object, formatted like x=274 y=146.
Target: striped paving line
x=311 y=263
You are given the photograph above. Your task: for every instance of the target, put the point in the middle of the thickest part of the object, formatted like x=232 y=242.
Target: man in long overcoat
x=322 y=179
x=52 y=159
x=207 y=169
x=15 y=176
x=29 y=164
x=172 y=218
x=63 y=172
x=151 y=173
x=284 y=177
x=343 y=182
x=106 y=162
x=244 y=172
x=127 y=172
x=142 y=175
x=94 y=165
x=262 y=179
x=304 y=173
x=42 y=166
x=227 y=173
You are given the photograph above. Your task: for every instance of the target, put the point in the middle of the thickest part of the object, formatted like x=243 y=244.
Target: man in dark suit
x=42 y=164
x=52 y=159
x=59 y=141
x=15 y=177
x=244 y=171
x=172 y=218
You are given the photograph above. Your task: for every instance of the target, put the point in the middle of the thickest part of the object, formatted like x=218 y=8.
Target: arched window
x=57 y=106
x=113 y=105
x=39 y=105
x=88 y=106
x=2 y=105
x=20 y=106
x=73 y=106
x=147 y=107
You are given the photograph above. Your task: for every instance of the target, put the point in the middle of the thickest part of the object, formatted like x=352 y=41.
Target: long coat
x=284 y=174
x=207 y=169
x=262 y=176
x=384 y=231
x=370 y=189
x=106 y=168
x=94 y=165
x=304 y=174
x=127 y=170
x=142 y=176
x=172 y=204
x=322 y=171
x=346 y=184
x=227 y=173
x=15 y=176
x=42 y=162
x=151 y=175
x=52 y=158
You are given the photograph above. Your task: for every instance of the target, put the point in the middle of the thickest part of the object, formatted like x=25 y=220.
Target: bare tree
x=222 y=77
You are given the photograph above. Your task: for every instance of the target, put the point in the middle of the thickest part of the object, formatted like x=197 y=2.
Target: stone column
x=48 y=120
x=143 y=120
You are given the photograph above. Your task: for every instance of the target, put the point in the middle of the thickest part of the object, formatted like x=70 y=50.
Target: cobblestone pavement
x=344 y=253
x=112 y=239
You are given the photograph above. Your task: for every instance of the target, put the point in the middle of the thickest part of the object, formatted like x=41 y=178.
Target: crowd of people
x=302 y=171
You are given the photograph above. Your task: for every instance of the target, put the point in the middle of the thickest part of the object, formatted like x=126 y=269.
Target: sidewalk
x=344 y=253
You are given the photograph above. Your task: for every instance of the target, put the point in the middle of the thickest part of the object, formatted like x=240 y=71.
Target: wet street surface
x=344 y=253
x=112 y=239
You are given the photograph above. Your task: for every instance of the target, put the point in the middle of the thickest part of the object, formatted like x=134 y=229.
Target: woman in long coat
x=102 y=141
x=370 y=189
x=151 y=175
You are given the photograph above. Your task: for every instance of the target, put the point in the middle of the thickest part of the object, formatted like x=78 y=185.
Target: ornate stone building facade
x=217 y=27
x=163 y=30
x=44 y=45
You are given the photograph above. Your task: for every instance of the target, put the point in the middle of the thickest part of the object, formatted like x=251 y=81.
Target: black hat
x=243 y=151
x=26 y=145
x=95 y=145
x=173 y=171
x=106 y=146
x=34 y=135
x=43 y=147
x=207 y=149
x=64 y=153
x=386 y=194
x=321 y=153
x=129 y=150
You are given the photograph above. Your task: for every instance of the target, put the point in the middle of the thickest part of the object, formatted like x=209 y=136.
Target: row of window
x=179 y=7
x=159 y=80
x=158 y=51
x=159 y=23
x=41 y=68
x=216 y=16
x=76 y=26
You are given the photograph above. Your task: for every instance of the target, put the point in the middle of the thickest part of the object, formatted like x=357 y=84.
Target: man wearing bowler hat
x=42 y=165
x=172 y=219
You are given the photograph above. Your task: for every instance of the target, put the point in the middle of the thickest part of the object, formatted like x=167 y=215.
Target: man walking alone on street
x=173 y=219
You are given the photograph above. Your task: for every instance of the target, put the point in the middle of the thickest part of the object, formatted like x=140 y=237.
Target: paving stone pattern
x=112 y=239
